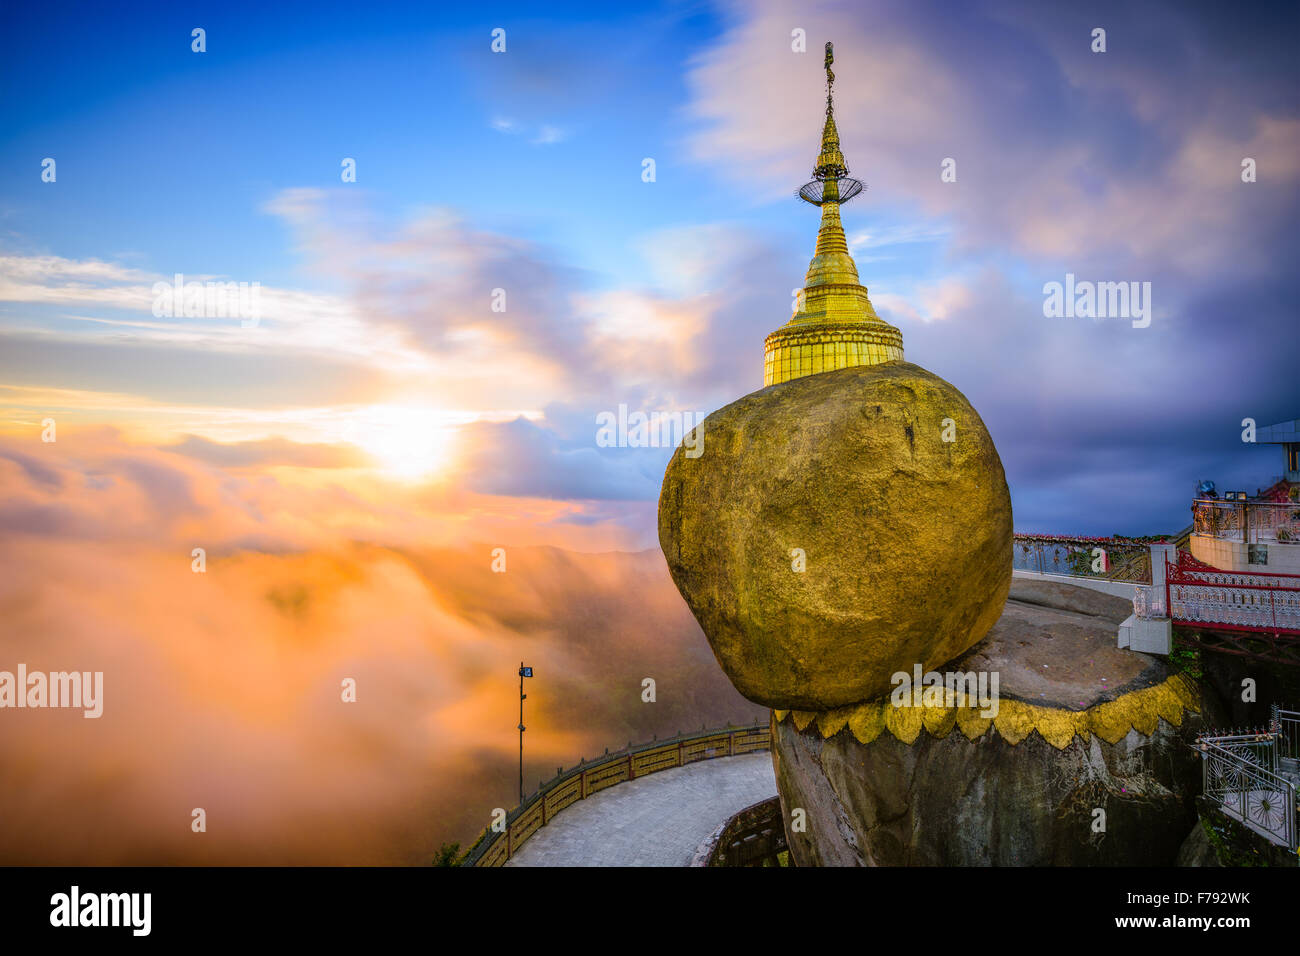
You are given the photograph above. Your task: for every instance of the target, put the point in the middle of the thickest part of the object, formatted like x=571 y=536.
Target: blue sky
x=168 y=157
x=522 y=170
x=154 y=138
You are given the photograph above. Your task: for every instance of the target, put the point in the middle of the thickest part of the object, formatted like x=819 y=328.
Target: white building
x=1259 y=533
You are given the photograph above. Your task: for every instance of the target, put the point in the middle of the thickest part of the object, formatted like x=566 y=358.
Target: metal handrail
x=1258 y=747
x=1255 y=522
x=1127 y=559
x=1235 y=600
x=1286 y=728
x=489 y=837
x=752 y=836
x=1248 y=791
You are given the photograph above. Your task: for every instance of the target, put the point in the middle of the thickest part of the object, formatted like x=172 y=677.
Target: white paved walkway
x=658 y=820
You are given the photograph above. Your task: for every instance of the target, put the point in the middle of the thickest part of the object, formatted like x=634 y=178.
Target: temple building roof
x=1283 y=433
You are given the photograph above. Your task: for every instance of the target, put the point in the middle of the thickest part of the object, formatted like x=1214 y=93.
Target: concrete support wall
x=1160 y=554
x=1147 y=636
x=1152 y=635
x=1122 y=589
x=1233 y=555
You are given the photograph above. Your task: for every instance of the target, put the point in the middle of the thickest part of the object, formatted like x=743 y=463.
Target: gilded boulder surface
x=839 y=528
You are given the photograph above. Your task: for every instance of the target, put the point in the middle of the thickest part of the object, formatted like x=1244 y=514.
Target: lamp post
x=523 y=672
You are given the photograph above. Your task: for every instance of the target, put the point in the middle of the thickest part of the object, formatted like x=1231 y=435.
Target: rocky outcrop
x=886 y=481
x=954 y=802
x=1085 y=763
x=1197 y=850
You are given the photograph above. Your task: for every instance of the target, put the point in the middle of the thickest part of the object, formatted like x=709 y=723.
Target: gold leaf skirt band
x=1139 y=710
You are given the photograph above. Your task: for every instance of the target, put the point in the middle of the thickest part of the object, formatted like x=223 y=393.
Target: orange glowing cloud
x=223 y=689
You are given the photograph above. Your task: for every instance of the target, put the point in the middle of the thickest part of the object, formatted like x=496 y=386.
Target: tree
x=447 y=855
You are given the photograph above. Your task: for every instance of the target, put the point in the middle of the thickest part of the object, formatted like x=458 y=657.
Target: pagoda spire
x=830 y=162
x=834 y=324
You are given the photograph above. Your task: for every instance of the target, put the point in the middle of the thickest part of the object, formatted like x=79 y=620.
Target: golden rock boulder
x=839 y=528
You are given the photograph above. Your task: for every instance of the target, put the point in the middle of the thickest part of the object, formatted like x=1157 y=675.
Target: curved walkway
x=658 y=820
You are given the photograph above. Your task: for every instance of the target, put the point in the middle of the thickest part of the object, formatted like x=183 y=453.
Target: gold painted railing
x=494 y=847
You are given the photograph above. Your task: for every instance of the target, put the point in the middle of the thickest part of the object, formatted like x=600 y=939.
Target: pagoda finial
x=831 y=182
x=830 y=74
x=830 y=162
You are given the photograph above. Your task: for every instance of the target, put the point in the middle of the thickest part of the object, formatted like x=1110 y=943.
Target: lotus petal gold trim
x=1140 y=710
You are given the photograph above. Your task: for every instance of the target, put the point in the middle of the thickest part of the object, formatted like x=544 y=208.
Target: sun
x=406 y=442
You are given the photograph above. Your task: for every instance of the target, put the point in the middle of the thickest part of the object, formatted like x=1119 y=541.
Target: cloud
x=1122 y=166
x=306 y=323
x=184 y=375
x=270 y=451
x=1119 y=166
x=544 y=134
x=548 y=135
x=222 y=689
x=520 y=458
x=1103 y=428
x=97 y=484
x=35 y=470
x=424 y=288
x=1134 y=154
x=435 y=278
x=928 y=302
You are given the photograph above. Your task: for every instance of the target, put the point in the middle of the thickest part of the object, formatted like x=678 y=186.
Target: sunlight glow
x=406 y=442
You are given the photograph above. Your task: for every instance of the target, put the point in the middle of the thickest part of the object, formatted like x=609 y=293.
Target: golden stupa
x=834 y=325
x=851 y=518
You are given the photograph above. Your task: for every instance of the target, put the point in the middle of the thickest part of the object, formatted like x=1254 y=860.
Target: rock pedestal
x=1081 y=727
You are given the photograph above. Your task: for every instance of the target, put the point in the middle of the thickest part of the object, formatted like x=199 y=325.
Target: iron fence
x=753 y=837
x=1241 y=777
x=1286 y=728
x=497 y=844
x=1115 y=559
x=1253 y=522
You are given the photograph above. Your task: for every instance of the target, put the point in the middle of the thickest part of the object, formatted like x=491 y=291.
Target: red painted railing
x=1196 y=593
